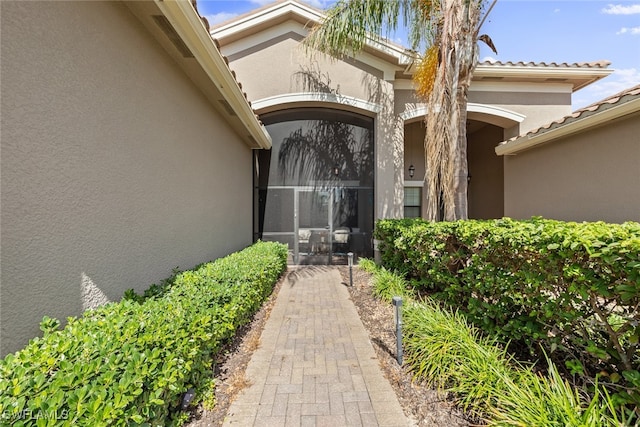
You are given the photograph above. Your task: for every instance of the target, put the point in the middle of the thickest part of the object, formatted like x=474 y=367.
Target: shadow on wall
x=389 y=131
x=311 y=79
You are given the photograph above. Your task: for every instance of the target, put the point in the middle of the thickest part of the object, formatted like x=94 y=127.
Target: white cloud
x=616 y=82
x=217 y=18
x=634 y=31
x=618 y=9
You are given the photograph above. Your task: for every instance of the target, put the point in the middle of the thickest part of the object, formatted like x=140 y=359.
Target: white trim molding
x=413 y=183
x=301 y=99
x=256 y=21
x=487 y=113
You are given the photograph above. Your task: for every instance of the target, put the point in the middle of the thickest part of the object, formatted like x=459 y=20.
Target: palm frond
x=487 y=40
x=447 y=31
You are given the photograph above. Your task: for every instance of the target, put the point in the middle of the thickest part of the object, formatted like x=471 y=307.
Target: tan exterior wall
x=539 y=108
x=414 y=150
x=284 y=65
x=485 y=191
x=405 y=100
x=590 y=176
x=115 y=169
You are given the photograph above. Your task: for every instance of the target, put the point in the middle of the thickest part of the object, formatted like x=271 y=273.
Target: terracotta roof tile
x=618 y=98
x=595 y=64
x=225 y=59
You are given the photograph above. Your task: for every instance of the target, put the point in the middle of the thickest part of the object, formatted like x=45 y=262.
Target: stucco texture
x=589 y=176
x=114 y=170
x=283 y=63
x=539 y=108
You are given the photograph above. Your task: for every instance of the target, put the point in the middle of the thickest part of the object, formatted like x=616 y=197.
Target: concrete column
x=389 y=152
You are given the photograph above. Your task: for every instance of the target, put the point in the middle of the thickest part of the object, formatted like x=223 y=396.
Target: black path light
x=397 y=303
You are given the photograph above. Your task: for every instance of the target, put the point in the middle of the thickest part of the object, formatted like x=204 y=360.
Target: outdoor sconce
x=336 y=170
x=412 y=171
x=468 y=179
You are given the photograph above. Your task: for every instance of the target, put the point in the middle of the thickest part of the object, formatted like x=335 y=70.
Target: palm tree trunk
x=462 y=170
x=467 y=59
x=446 y=122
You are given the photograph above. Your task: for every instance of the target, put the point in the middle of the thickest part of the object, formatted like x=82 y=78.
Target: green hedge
x=572 y=289
x=443 y=350
x=129 y=363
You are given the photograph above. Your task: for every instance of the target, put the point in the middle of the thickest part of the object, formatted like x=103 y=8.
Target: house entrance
x=314 y=188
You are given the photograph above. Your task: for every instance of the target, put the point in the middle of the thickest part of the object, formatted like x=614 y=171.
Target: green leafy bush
x=444 y=350
x=129 y=363
x=569 y=289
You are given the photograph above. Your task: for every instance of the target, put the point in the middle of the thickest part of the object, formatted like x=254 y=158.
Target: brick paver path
x=315 y=365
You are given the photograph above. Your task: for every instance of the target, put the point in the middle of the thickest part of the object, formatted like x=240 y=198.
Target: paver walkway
x=315 y=365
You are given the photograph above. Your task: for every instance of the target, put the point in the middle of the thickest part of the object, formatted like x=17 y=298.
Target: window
x=316 y=182
x=412 y=197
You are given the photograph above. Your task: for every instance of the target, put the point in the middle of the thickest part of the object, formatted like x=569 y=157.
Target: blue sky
x=535 y=30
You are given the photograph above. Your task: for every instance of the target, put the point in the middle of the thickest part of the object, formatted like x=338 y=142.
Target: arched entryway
x=314 y=190
x=486 y=128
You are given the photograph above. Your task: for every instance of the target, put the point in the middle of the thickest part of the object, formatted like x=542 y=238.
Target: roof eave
x=206 y=68
x=307 y=15
x=579 y=77
x=598 y=118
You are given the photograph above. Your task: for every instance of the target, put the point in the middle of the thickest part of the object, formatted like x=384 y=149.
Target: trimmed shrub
x=444 y=350
x=129 y=363
x=569 y=289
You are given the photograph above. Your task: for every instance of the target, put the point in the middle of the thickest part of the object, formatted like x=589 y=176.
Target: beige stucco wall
x=114 y=169
x=586 y=177
x=273 y=63
x=485 y=191
x=539 y=108
x=414 y=150
x=284 y=65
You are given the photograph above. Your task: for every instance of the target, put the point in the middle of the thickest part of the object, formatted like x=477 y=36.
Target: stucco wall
x=485 y=191
x=114 y=168
x=586 y=177
x=282 y=63
x=540 y=108
x=414 y=150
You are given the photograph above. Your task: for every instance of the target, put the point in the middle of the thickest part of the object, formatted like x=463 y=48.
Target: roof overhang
x=264 y=18
x=578 y=75
x=591 y=121
x=179 y=29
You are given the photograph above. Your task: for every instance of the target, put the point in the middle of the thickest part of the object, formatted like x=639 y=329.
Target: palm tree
x=447 y=31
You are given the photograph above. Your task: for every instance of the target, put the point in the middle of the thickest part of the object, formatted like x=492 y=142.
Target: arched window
x=315 y=186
